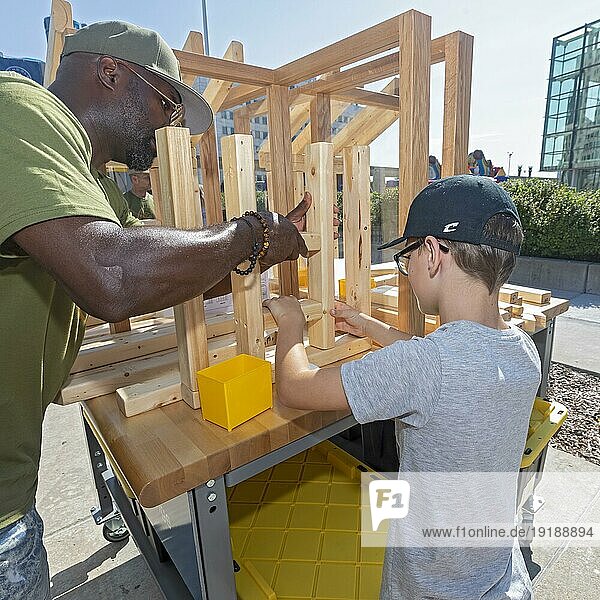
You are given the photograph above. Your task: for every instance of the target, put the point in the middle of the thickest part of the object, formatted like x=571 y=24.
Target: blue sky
x=511 y=55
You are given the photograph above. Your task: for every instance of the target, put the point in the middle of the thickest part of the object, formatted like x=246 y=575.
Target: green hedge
x=559 y=222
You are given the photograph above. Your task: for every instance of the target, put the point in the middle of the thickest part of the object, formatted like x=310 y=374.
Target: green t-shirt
x=142 y=208
x=46 y=174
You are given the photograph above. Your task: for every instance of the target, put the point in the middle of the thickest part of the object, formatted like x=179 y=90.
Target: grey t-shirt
x=462 y=398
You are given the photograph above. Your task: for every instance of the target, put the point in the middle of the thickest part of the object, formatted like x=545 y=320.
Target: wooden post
x=155 y=184
x=357 y=229
x=457 y=102
x=415 y=66
x=281 y=181
x=181 y=209
x=61 y=23
x=241 y=121
x=320 y=182
x=320 y=118
x=238 y=178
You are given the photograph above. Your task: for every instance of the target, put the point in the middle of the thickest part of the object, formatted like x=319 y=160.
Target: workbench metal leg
x=213 y=545
x=544 y=342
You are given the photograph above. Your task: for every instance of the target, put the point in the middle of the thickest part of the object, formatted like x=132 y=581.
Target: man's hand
x=298 y=215
x=348 y=319
x=286 y=311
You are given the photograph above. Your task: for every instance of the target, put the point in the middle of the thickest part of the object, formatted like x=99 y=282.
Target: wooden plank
x=457 y=103
x=281 y=181
x=297 y=163
x=239 y=94
x=529 y=294
x=193 y=43
x=365 y=126
x=507 y=295
x=216 y=90
x=142 y=397
x=547 y=312
x=357 y=229
x=415 y=66
x=368 y=98
x=241 y=121
x=320 y=182
x=61 y=21
x=120 y=327
x=220 y=68
x=320 y=118
x=211 y=181
x=385 y=295
x=155 y=183
x=240 y=196
x=312 y=241
x=181 y=209
x=366 y=43
x=304 y=137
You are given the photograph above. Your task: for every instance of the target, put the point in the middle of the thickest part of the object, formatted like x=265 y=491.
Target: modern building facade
x=571 y=141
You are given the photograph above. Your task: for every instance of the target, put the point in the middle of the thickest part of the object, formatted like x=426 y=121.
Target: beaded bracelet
x=258 y=249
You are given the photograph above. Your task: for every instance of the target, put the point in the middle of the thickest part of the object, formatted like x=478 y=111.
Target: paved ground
x=577 y=335
x=84 y=566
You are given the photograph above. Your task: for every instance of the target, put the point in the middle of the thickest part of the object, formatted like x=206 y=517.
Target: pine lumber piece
x=320 y=183
x=153 y=338
x=239 y=186
x=357 y=238
x=531 y=295
x=142 y=397
x=386 y=295
x=508 y=295
x=546 y=312
x=529 y=322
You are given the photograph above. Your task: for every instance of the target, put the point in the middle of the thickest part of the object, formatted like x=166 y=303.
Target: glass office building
x=571 y=143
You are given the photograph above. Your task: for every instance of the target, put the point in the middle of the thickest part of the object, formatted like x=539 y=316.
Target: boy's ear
x=431 y=246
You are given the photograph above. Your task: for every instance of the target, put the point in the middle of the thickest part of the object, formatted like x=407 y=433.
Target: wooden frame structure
x=300 y=156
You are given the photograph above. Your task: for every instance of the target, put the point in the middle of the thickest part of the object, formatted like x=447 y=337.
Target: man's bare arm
x=115 y=273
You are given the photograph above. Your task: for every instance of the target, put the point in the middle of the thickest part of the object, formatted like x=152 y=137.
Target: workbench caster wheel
x=114 y=530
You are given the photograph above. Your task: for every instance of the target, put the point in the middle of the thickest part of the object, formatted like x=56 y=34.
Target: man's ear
x=108 y=72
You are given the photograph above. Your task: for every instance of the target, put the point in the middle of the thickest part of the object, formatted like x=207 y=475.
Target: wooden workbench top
x=171 y=450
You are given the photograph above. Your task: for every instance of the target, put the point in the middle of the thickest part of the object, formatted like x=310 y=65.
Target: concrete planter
x=552 y=273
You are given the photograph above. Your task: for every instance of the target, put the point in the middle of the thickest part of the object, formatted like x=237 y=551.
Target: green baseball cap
x=146 y=49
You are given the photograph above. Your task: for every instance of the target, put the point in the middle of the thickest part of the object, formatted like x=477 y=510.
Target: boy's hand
x=286 y=311
x=347 y=319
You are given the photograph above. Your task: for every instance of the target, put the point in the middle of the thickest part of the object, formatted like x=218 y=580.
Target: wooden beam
x=368 y=98
x=371 y=41
x=220 y=68
x=240 y=94
x=241 y=120
x=193 y=43
x=415 y=67
x=304 y=137
x=61 y=20
x=240 y=196
x=320 y=182
x=457 y=103
x=365 y=126
x=216 y=90
x=181 y=209
x=357 y=229
x=281 y=181
x=320 y=118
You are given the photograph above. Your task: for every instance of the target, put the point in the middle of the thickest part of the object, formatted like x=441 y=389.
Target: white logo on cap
x=451 y=227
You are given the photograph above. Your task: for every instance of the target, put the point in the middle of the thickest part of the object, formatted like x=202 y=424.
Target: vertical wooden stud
x=415 y=66
x=238 y=178
x=457 y=102
x=320 y=118
x=241 y=121
x=281 y=182
x=357 y=227
x=181 y=209
x=320 y=182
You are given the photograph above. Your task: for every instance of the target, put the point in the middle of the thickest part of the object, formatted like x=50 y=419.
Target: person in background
x=138 y=198
x=435 y=169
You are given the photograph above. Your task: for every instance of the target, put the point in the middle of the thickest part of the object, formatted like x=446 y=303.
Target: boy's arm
x=351 y=321
x=299 y=385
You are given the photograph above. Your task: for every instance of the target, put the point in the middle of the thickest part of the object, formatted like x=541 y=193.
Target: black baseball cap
x=458 y=208
x=145 y=48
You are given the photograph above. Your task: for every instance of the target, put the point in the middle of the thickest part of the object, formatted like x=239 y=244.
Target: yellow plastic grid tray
x=295 y=531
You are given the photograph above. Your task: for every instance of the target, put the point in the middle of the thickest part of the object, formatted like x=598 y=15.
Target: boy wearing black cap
x=461 y=240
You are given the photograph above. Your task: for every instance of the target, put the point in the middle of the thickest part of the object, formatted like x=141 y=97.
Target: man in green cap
x=64 y=251
x=138 y=198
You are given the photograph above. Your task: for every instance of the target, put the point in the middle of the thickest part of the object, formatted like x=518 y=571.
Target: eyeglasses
x=177 y=110
x=403 y=257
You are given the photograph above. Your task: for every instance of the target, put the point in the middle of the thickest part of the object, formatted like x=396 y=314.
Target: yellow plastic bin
x=235 y=390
